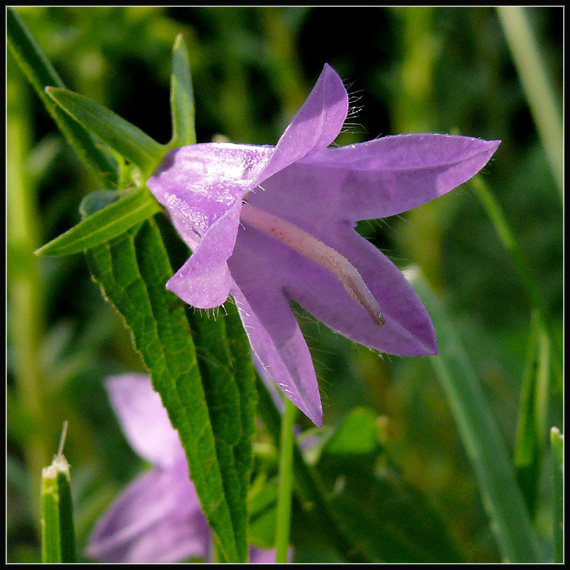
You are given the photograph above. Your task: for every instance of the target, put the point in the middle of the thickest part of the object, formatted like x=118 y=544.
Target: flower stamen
x=315 y=250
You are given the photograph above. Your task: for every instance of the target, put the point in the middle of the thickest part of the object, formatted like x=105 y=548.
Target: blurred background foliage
x=407 y=70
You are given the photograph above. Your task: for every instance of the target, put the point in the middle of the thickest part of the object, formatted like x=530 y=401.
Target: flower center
x=315 y=250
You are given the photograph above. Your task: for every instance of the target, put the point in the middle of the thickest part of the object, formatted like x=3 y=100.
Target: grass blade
x=181 y=97
x=531 y=427
x=482 y=438
x=41 y=74
x=557 y=444
x=58 y=531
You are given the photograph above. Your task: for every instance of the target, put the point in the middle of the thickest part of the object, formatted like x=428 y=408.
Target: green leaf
x=181 y=97
x=120 y=135
x=532 y=433
x=557 y=444
x=132 y=270
x=58 y=533
x=41 y=74
x=481 y=436
x=262 y=508
x=105 y=224
x=226 y=366
x=385 y=516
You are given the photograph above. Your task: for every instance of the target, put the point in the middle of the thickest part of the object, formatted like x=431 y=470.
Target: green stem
x=511 y=244
x=284 y=498
x=308 y=489
x=534 y=79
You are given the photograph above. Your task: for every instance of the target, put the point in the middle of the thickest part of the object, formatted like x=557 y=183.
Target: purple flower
x=158 y=517
x=271 y=224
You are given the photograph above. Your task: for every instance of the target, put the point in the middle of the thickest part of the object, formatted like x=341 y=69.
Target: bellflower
x=158 y=517
x=271 y=224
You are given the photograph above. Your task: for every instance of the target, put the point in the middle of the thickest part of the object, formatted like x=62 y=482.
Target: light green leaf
x=481 y=437
x=557 y=444
x=262 y=508
x=204 y=396
x=120 y=135
x=105 y=224
x=532 y=434
x=58 y=532
x=41 y=74
x=181 y=97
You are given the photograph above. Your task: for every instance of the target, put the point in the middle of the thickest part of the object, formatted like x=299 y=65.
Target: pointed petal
x=143 y=418
x=204 y=281
x=408 y=330
x=387 y=176
x=202 y=187
x=278 y=343
x=315 y=126
x=156 y=519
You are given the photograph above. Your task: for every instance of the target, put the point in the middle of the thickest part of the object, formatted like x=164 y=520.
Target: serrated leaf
x=41 y=74
x=105 y=224
x=181 y=97
x=228 y=378
x=132 y=270
x=387 y=518
x=120 y=135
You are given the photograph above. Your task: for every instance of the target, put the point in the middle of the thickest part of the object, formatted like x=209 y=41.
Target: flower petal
x=204 y=281
x=202 y=187
x=277 y=342
x=315 y=126
x=387 y=176
x=156 y=519
x=407 y=331
x=144 y=419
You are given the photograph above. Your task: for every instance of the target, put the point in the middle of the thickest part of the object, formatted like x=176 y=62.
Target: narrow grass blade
x=532 y=434
x=534 y=77
x=58 y=533
x=481 y=436
x=41 y=74
x=557 y=444
x=181 y=97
